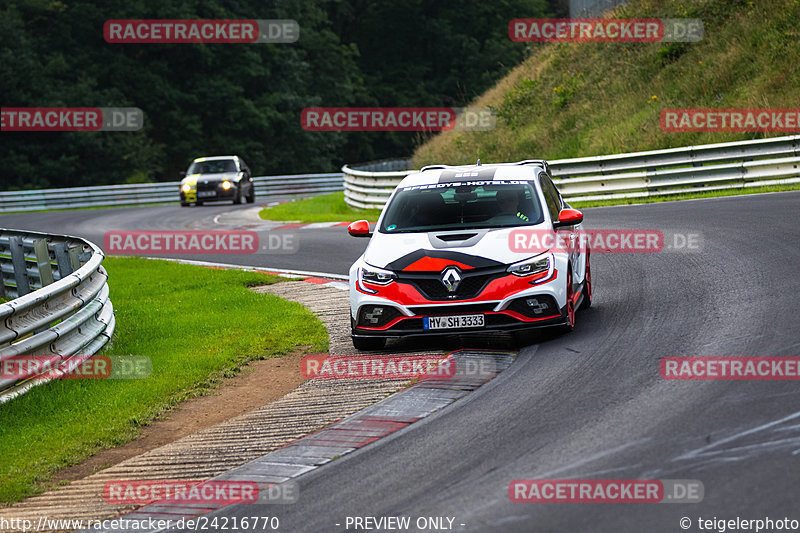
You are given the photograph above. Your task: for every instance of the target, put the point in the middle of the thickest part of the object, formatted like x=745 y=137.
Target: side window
x=551 y=196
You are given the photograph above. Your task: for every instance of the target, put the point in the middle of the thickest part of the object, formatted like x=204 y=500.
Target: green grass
x=675 y=197
x=197 y=325
x=582 y=99
x=323 y=208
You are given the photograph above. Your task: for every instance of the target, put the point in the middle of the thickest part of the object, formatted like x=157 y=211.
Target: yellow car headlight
x=226 y=185
x=186 y=187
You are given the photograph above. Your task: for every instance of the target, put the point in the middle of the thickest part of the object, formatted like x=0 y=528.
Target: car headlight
x=226 y=185
x=186 y=187
x=528 y=267
x=378 y=276
x=374 y=275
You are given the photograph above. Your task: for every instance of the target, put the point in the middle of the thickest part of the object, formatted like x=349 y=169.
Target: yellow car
x=210 y=179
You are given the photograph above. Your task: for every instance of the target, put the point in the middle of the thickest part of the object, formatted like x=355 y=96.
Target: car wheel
x=369 y=343
x=237 y=198
x=587 y=286
x=198 y=203
x=251 y=196
x=570 y=325
x=184 y=204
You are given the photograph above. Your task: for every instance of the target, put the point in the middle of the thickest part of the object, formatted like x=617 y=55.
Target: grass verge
x=197 y=325
x=323 y=208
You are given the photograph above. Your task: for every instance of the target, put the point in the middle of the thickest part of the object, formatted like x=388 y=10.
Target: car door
x=571 y=234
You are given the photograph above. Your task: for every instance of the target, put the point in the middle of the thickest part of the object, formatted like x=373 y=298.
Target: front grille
x=452 y=309
x=210 y=186
x=431 y=286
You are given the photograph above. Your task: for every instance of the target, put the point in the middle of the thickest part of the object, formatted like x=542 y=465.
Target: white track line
x=281 y=271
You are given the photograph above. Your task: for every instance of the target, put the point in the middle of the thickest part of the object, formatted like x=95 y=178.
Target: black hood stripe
x=472 y=260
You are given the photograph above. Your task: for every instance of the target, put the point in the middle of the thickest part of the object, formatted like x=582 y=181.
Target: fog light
x=374 y=315
x=536 y=306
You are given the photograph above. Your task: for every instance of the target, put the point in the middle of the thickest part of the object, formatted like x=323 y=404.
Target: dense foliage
x=208 y=99
x=583 y=99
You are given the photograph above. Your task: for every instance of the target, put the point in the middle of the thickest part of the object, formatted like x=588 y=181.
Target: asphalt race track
x=590 y=404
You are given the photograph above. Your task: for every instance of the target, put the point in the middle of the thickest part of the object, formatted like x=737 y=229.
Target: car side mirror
x=359 y=228
x=568 y=217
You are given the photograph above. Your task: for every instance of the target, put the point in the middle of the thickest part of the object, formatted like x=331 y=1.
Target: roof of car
x=523 y=170
x=216 y=158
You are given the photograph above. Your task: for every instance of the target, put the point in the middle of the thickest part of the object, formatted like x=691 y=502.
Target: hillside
x=580 y=99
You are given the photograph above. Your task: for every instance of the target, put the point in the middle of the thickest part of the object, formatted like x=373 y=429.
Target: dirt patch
x=259 y=383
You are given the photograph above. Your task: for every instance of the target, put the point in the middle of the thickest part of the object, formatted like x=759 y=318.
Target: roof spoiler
x=539 y=162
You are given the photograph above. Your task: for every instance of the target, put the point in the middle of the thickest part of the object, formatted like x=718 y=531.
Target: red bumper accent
x=497 y=289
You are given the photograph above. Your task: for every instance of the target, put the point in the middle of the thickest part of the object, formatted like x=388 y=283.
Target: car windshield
x=212 y=167
x=462 y=206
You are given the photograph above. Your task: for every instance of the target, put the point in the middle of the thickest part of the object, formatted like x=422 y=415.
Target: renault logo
x=451 y=279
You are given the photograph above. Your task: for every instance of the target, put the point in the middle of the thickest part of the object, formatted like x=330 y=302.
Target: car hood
x=192 y=179
x=436 y=250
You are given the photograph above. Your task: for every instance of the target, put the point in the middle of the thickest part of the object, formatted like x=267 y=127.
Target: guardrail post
x=75 y=258
x=20 y=268
x=43 y=262
x=65 y=266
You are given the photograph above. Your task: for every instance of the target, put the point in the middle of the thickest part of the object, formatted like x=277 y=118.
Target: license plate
x=206 y=194
x=453 y=322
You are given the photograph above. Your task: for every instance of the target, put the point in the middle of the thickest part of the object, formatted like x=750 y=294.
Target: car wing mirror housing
x=359 y=228
x=568 y=217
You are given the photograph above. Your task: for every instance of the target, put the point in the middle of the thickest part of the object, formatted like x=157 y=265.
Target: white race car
x=444 y=257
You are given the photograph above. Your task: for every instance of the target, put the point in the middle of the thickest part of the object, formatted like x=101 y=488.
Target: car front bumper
x=509 y=311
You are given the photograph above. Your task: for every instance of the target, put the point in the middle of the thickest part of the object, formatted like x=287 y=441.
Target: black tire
x=570 y=325
x=251 y=196
x=184 y=204
x=198 y=203
x=369 y=343
x=237 y=198
x=587 y=286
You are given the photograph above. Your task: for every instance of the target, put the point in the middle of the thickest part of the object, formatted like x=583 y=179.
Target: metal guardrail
x=59 y=306
x=689 y=169
x=271 y=187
